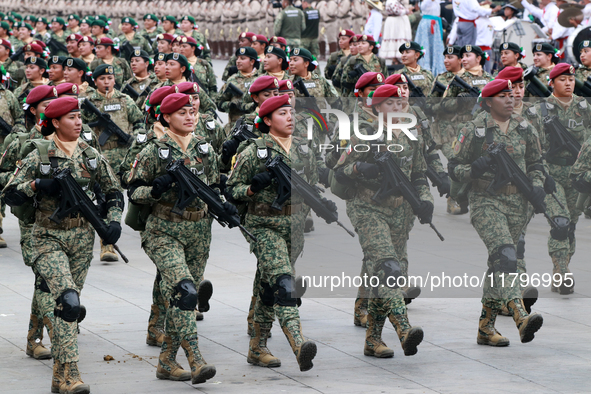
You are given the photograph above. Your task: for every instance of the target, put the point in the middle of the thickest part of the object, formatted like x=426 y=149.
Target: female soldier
x=178 y=245
x=499 y=219
x=35 y=71
x=192 y=50
x=383 y=228
x=62 y=252
x=366 y=58
x=280 y=233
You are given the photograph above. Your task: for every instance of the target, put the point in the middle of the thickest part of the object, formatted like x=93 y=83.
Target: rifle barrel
x=121 y=253
x=241 y=227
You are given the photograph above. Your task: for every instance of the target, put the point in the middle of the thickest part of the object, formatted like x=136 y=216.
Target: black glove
x=329 y=204
x=445 y=186
x=323 y=176
x=113 y=234
x=49 y=187
x=480 y=166
x=229 y=149
x=230 y=210
x=232 y=70
x=368 y=170
x=549 y=185
x=581 y=185
x=425 y=212
x=260 y=181
x=537 y=199
x=161 y=185
x=234 y=106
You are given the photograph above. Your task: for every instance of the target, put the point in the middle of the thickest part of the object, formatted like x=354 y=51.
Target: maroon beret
x=495 y=87
x=246 y=34
x=41 y=93
x=67 y=88
x=187 y=88
x=185 y=40
x=36 y=48
x=285 y=85
x=158 y=95
x=356 y=38
x=165 y=37
x=264 y=82
x=6 y=43
x=369 y=79
x=384 y=92
x=40 y=43
x=562 y=69
x=347 y=33
x=273 y=104
x=260 y=38
x=279 y=40
x=395 y=79
x=366 y=37
x=175 y=101
x=61 y=106
x=513 y=74
x=105 y=41
x=86 y=39
x=73 y=37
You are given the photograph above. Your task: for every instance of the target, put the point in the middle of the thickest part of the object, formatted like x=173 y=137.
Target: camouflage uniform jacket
x=225 y=98
x=478 y=81
x=582 y=73
x=422 y=79
x=317 y=86
x=140 y=86
x=16 y=69
x=137 y=42
x=120 y=66
x=349 y=77
x=332 y=63
x=204 y=71
x=10 y=111
x=210 y=130
x=231 y=63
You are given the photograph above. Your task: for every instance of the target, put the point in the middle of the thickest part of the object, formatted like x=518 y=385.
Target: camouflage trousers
x=498 y=221
x=115 y=156
x=562 y=251
x=383 y=233
x=311 y=44
x=293 y=42
x=62 y=258
x=179 y=251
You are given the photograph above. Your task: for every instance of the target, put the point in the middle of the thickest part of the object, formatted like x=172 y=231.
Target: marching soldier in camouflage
x=499 y=219
x=105 y=54
x=366 y=58
x=383 y=228
x=130 y=35
x=36 y=73
x=25 y=35
x=584 y=69
x=337 y=77
x=190 y=29
x=511 y=55
x=143 y=80
x=202 y=69
x=86 y=48
x=73 y=24
x=411 y=52
x=58 y=36
x=14 y=68
x=473 y=59
x=301 y=66
x=76 y=72
x=151 y=28
x=310 y=33
x=581 y=175
x=280 y=234
x=244 y=41
x=290 y=23
x=11 y=112
x=178 y=245
x=335 y=57
x=545 y=59
x=56 y=70
x=62 y=252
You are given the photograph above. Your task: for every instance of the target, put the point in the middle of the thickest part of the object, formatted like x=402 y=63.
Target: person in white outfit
x=467 y=12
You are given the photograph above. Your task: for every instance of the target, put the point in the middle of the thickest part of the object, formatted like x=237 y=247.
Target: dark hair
x=263 y=128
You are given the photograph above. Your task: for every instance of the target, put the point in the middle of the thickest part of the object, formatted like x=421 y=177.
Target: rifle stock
x=109 y=127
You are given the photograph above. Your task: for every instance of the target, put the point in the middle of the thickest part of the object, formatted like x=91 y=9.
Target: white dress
x=397 y=29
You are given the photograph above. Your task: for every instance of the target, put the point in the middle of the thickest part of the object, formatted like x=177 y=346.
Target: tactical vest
x=312 y=23
x=291 y=26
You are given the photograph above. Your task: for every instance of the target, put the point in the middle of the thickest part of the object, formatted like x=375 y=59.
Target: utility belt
x=239 y=20
x=260 y=209
x=366 y=194
x=481 y=185
x=164 y=211
x=561 y=161
x=42 y=219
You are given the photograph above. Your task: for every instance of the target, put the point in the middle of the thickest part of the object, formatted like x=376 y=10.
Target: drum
x=582 y=33
x=521 y=32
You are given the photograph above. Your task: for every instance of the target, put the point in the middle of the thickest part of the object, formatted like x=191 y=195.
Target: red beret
x=562 y=69
x=40 y=43
x=367 y=37
x=6 y=43
x=40 y=93
x=395 y=79
x=272 y=104
x=280 y=40
x=264 y=82
x=260 y=38
x=61 y=106
x=174 y=102
x=384 y=92
x=356 y=38
x=285 y=85
x=73 y=37
x=105 y=41
x=187 y=88
x=369 y=79
x=246 y=34
x=86 y=39
x=513 y=74
x=495 y=87
x=165 y=37
x=36 y=48
x=347 y=33
x=67 y=88
x=185 y=40
x=158 y=95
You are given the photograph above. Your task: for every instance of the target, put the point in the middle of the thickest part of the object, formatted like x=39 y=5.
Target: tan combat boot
x=168 y=368
x=250 y=317
x=58 y=376
x=72 y=383
x=108 y=253
x=528 y=324
x=47 y=322
x=200 y=370
x=35 y=347
x=304 y=350
x=155 y=335
x=487 y=333
x=374 y=346
x=360 y=312
x=258 y=353
x=410 y=337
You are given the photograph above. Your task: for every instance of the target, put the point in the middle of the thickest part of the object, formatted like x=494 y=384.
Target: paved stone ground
x=118 y=298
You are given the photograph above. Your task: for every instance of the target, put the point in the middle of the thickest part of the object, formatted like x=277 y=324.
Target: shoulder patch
x=532 y=111
x=523 y=124
x=480 y=132
x=583 y=104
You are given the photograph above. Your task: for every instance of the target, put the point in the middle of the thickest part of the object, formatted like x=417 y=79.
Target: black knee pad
x=390 y=268
x=571 y=232
x=521 y=247
x=70 y=303
x=283 y=291
x=266 y=294
x=505 y=259
x=43 y=286
x=560 y=232
x=188 y=291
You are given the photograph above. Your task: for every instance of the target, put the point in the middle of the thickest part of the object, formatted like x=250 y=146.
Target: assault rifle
x=560 y=138
x=75 y=200
x=394 y=181
x=105 y=122
x=233 y=89
x=535 y=87
x=190 y=187
x=5 y=128
x=438 y=87
x=54 y=45
x=242 y=131
x=458 y=82
x=286 y=178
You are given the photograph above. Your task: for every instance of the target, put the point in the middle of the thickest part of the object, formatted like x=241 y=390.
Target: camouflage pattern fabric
x=422 y=79
x=120 y=67
x=349 y=77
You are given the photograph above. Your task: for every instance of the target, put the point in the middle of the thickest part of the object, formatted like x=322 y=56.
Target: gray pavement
x=118 y=298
